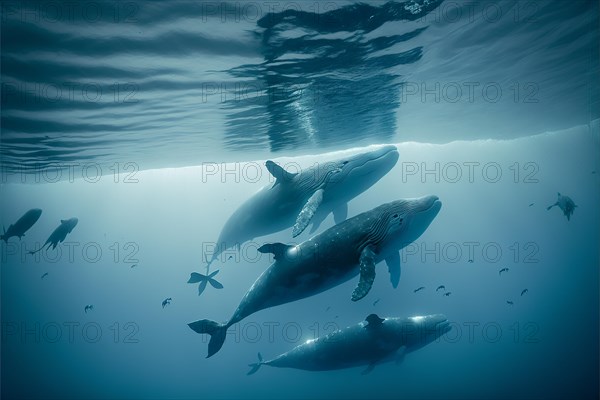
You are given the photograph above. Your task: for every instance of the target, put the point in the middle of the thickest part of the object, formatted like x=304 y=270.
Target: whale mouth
x=443 y=327
x=427 y=205
x=378 y=155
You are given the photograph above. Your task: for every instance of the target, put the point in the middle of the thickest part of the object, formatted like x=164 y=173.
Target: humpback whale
x=59 y=234
x=331 y=258
x=22 y=225
x=565 y=204
x=306 y=197
x=372 y=342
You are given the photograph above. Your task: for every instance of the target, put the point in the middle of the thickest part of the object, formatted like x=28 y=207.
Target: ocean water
x=151 y=123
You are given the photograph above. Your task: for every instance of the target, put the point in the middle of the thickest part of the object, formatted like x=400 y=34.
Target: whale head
x=419 y=331
x=355 y=174
x=404 y=221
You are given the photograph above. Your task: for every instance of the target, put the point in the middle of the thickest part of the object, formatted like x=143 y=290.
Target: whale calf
x=369 y=343
x=306 y=197
x=59 y=234
x=22 y=225
x=565 y=204
x=331 y=258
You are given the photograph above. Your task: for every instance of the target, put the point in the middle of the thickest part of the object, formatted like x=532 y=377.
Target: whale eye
x=395 y=216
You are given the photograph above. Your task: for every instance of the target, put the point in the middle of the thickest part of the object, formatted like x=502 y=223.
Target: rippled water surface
x=152 y=123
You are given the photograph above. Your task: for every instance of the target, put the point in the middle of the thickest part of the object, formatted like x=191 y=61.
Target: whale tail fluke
x=35 y=251
x=255 y=366
x=195 y=277
x=216 y=331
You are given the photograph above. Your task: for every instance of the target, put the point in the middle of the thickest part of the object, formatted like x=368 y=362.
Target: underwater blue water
x=151 y=123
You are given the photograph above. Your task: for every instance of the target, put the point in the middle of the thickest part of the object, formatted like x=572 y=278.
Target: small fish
x=376 y=301
x=166 y=302
x=531 y=204
x=45 y=275
x=510 y=303
x=593 y=172
x=524 y=291
x=134 y=265
x=441 y=287
x=88 y=307
x=419 y=289
x=502 y=270
x=566 y=204
x=447 y=294
x=230 y=257
x=470 y=261
x=337 y=316
x=328 y=308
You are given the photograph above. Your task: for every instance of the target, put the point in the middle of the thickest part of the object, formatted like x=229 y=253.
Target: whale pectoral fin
x=367 y=274
x=393 y=264
x=308 y=211
x=280 y=174
x=370 y=368
x=340 y=213
x=400 y=355
x=277 y=249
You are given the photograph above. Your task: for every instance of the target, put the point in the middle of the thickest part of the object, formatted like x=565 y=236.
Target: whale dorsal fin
x=62 y=221
x=277 y=249
x=374 y=320
x=280 y=174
